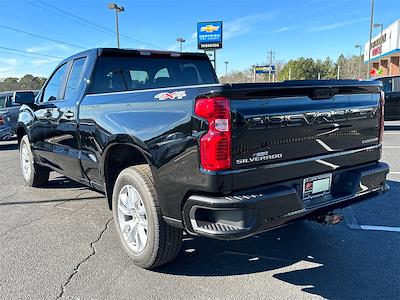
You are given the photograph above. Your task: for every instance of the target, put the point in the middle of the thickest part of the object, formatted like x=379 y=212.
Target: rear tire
x=34 y=175
x=147 y=239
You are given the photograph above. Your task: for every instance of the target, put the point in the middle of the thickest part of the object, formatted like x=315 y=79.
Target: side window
x=52 y=88
x=2 y=102
x=75 y=77
x=11 y=103
x=8 y=101
x=396 y=84
x=387 y=84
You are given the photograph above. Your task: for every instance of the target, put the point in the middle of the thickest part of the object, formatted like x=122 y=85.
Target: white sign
x=385 y=43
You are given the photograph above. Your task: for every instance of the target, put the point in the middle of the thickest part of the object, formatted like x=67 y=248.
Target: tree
x=307 y=69
x=238 y=76
x=352 y=67
x=27 y=82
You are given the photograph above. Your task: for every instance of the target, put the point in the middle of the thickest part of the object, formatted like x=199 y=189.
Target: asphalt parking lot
x=60 y=242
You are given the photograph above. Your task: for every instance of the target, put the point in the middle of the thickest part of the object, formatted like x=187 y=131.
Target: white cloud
x=40 y=62
x=243 y=25
x=9 y=61
x=337 y=25
x=34 y=49
x=48 y=47
x=279 y=30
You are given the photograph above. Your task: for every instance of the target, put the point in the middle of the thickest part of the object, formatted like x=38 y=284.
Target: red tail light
x=1 y=121
x=382 y=117
x=215 y=146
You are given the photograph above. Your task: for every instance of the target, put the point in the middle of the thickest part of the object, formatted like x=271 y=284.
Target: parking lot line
x=380 y=228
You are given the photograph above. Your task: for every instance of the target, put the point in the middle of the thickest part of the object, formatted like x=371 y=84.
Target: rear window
x=116 y=74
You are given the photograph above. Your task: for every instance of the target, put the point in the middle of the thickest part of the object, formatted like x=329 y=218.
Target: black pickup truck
x=174 y=150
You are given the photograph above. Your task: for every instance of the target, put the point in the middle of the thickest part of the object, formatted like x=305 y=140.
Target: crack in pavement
x=12 y=195
x=42 y=217
x=76 y=269
x=30 y=222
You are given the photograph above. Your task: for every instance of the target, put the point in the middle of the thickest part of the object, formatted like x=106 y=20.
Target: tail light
x=382 y=116
x=1 y=120
x=215 y=146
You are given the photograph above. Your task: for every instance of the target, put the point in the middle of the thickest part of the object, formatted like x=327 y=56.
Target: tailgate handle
x=323 y=93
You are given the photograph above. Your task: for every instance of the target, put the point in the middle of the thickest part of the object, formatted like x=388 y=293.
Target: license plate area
x=317 y=186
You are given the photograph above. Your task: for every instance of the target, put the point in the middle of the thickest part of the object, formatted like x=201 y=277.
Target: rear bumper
x=254 y=211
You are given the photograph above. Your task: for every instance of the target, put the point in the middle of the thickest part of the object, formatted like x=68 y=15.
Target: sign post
x=209 y=37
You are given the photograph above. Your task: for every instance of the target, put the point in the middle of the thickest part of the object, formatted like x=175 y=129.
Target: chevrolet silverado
x=173 y=150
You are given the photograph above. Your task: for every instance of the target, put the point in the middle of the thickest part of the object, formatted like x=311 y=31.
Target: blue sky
x=292 y=28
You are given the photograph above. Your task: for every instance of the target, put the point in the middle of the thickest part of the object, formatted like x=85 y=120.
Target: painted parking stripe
x=352 y=223
x=391 y=147
x=380 y=228
x=397 y=173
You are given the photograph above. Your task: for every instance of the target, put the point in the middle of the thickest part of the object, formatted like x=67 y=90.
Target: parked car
x=8 y=104
x=174 y=150
x=391 y=87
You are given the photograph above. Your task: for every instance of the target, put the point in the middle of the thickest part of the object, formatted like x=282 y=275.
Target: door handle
x=69 y=114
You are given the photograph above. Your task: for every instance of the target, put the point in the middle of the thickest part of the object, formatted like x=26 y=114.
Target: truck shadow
x=62 y=182
x=334 y=262
x=9 y=145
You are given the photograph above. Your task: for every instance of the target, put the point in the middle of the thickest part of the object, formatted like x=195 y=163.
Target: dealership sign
x=209 y=35
x=384 y=43
x=264 y=69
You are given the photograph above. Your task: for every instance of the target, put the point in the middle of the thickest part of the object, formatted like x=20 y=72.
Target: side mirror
x=24 y=97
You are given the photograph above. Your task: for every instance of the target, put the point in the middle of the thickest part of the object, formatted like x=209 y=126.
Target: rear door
x=282 y=122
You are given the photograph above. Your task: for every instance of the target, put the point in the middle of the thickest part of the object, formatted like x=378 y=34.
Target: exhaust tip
x=329 y=219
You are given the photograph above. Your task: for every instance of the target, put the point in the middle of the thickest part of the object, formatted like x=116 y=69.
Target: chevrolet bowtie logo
x=209 y=28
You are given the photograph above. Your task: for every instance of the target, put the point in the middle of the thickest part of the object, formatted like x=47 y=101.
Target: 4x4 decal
x=174 y=95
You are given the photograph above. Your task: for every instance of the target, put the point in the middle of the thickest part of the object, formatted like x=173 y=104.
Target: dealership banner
x=264 y=69
x=209 y=35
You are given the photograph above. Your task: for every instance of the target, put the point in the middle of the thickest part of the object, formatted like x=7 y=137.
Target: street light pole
x=181 y=40
x=370 y=37
x=376 y=25
x=226 y=68
x=117 y=9
x=360 y=64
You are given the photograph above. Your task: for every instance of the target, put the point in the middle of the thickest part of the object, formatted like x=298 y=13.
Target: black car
x=391 y=87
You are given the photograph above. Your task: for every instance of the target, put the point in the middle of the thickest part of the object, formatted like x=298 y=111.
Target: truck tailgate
x=275 y=123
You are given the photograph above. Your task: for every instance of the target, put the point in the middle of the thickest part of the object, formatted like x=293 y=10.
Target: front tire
x=34 y=175
x=146 y=238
